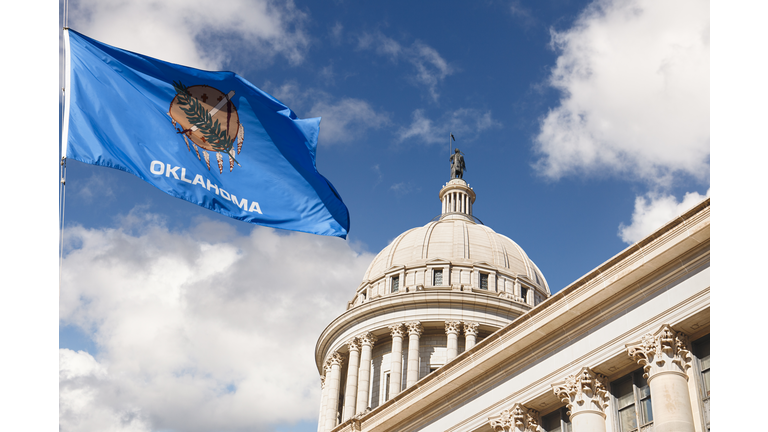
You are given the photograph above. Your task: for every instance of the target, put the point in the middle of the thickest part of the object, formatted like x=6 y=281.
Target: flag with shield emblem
x=211 y=138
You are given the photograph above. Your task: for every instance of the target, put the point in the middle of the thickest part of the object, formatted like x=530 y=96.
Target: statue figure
x=457 y=165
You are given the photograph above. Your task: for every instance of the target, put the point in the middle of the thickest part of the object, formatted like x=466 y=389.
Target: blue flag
x=211 y=138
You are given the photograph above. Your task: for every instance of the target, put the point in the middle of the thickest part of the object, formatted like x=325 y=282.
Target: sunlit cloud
x=189 y=32
x=654 y=210
x=206 y=318
x=634 y=79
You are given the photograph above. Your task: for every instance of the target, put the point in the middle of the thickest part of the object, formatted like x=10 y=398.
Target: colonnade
x=664 y=356
x=457 y=202
x=356 y=392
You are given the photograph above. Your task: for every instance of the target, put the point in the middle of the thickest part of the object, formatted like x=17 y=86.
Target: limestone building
x=454 y=328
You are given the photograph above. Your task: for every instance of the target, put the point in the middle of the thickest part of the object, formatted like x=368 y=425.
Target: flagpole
x=63 y=139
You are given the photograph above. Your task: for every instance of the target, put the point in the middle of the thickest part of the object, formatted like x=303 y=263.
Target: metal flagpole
x=65 y=74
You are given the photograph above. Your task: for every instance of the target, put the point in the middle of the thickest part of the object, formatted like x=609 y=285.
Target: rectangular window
x=483 y=281
x=395 y=284
x=557 y=421
x=701 y=352
x=524 y=294
x=437 y=277
x=386 y=387
x=633 y=401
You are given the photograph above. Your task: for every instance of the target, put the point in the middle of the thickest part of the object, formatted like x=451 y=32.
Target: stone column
x=586 y=396
x=323 y=397
x=350 y=393
x=516 y=419
x=332 y=382
x=396 y=368
x=470 y=333
x=664 y=356
x=414 y=332
x=364 y=377
x=452 y=329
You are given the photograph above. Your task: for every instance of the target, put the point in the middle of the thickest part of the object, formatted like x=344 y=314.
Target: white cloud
x=346 y=120
x=654 y=210
x=404 y=188
x=189 y=31
x=464 y=123
x=431 y=68
x=200 y=330
x=336 y=33
x=343 y=120
x=634 y=77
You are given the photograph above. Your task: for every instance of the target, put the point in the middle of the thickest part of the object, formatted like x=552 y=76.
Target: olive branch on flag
x=201 y=118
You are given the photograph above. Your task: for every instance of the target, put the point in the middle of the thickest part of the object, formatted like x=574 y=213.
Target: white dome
x=454 y=252
x=461 y=242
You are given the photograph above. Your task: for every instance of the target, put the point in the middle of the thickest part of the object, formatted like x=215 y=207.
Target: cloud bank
x=205 y=318
x=186 y=31
x=654 y=210
x=634 y=79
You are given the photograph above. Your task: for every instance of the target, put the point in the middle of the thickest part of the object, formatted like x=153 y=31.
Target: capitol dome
x=480 y=258
x=460 y=241
x=431 y=294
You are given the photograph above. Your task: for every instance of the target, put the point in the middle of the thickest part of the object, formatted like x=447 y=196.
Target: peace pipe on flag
x=211 y=138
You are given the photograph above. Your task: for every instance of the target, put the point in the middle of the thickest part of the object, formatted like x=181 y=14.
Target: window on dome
x=395 y=284
x=633 y=401
x=524 y=294
x=484 y=281
x=437 y=277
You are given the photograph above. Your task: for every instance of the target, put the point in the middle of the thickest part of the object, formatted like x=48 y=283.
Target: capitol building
x=454 y=328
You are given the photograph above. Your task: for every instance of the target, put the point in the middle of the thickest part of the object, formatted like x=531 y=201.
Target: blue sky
x=585 y=125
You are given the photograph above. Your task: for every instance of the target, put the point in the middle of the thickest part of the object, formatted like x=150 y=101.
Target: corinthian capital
x=470 y=328
x=367 y=339
x=583 y=392
x=664 y=351
x=453 y=327
x=414 y=327
x=353 y=344
x=397 y=330
x=516 y=419
x=334 y=359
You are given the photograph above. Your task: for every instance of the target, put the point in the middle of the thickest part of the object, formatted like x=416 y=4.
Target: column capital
x=414 y=327
x=367 y=338
x=322 y=381
x=397 y=330
x=453 y=327
x=666 y=350
x=470 y=328
x=353 y=344
x=334 y=359
x=519 y=418
x=585 y=391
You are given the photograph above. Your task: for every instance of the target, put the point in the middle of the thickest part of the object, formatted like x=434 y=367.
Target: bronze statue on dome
x=457 y=165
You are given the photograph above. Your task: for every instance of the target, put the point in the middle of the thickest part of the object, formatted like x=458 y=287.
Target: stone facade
x=624 y=348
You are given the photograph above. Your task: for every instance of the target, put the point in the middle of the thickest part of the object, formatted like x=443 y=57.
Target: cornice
x=630 y=268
